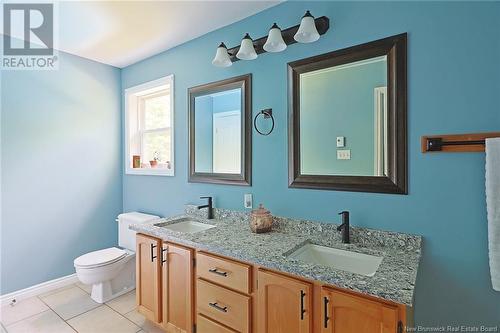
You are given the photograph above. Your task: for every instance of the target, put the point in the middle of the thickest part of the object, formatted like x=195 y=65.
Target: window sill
x=150 y=172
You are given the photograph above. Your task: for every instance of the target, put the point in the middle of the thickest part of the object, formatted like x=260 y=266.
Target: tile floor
x=70 y=309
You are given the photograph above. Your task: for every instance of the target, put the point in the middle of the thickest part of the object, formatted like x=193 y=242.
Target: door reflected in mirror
x=343 y=119
x=218 y=132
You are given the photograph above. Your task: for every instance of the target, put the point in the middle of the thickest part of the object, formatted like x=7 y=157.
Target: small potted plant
x=155 y=160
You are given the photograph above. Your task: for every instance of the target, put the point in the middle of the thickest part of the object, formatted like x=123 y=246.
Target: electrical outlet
x=344 y=154
x=248 y=201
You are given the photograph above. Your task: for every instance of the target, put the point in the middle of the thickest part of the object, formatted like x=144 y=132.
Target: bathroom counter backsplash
x=393 y=281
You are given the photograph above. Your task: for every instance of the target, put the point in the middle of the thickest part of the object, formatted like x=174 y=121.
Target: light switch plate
x=344 y=154
x=340 y=141
x=248 y=201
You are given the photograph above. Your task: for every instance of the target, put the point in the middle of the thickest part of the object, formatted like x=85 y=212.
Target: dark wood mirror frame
x=245 y=177
x=396 y=180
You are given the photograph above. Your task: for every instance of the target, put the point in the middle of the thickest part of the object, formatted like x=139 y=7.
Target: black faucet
x=344 y=227
x=210 y=214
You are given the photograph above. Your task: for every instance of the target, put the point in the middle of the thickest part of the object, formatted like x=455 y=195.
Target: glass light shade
x=274 y=42
x=246 y=51
x=307 y=32
x=222 y=57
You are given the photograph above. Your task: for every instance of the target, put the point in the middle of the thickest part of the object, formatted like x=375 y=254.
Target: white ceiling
x=120 y=33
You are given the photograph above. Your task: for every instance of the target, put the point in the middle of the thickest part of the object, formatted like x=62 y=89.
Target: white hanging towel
x=493 y=207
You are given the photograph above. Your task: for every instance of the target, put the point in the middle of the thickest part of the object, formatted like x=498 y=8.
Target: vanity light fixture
x=222 y=58
x=246 y=51
x=307 y=32
x=274 y=42
x=277 y=40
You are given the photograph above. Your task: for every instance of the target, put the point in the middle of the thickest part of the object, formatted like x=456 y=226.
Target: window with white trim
x=149 y=128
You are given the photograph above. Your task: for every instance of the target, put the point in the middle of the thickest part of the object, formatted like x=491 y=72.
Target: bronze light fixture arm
x=322 y=24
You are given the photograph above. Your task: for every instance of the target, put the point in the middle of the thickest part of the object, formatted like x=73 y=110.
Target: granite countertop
x=393 y=281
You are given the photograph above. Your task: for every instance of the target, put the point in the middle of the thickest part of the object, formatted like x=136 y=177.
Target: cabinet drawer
x=205 y=325
x=225 y=272
x=223 y=305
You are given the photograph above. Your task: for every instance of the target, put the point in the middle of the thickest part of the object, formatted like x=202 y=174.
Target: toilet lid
x=100 y=257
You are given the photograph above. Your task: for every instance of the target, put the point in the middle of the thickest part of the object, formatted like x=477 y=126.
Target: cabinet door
x=346 y=313
x=177 y=283
x=284 y=304
x=148 y=272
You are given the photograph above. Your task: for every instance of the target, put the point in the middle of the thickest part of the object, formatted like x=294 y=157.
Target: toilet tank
x=126 y=237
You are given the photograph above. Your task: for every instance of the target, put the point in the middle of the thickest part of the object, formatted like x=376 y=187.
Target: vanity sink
x=185 y=225
x=359 y=263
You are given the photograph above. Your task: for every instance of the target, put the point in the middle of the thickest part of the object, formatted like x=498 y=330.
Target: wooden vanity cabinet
x=177 y=288
x=346 y=313
x=284 y=304
x=221 y=295
x=164 y=284
x=148 y=277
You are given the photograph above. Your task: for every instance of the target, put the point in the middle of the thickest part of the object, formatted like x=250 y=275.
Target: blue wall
x=231 y=101
x=339 y=103
x=454 y=85
x=61 y=168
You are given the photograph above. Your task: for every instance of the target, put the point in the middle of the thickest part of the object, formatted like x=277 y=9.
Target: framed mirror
x=347 y=119
x=220 y=132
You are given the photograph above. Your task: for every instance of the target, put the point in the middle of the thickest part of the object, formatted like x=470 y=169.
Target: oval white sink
x=349 y=261
x=186 y=225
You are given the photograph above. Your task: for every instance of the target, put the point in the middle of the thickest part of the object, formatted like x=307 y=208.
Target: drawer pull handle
x=218 y=307
x=326 y=318
x=216 y=271
x=163 y=258
x=302 y=310
x=152 y=252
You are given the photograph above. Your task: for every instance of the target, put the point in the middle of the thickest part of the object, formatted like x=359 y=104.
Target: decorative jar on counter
x=261 y=220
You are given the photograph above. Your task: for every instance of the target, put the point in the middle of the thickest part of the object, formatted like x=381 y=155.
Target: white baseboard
x=38 y=289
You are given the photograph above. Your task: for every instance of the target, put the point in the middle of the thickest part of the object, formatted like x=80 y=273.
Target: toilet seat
x=100 y=258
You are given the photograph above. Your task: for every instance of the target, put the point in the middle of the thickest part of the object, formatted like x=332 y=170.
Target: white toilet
x=111 y=271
